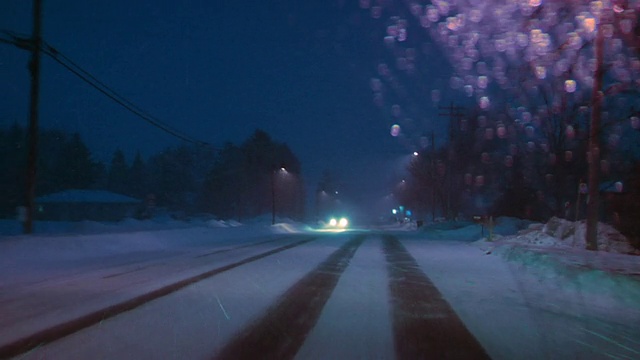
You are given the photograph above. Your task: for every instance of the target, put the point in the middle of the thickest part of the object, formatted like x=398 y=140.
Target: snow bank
x=407 y=226
x=471 y=231
x=57 y=228
x=285 y=228
x=14 y=227
x=217 y=224
x=559 y=249
x=561 y=233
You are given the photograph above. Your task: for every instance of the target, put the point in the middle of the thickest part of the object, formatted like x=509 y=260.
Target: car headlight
x=333 y=222
x=343 y=222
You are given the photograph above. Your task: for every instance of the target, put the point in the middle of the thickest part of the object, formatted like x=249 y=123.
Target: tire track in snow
x=215 y=252
x=59 y=331
x=280 y=333
x=425 y=326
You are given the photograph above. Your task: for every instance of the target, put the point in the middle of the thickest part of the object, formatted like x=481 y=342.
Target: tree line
x=234 y=182
x=528 y=165
x=555 y=87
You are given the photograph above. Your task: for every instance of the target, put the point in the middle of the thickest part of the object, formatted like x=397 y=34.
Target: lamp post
x=273 y=192
x=273 y=197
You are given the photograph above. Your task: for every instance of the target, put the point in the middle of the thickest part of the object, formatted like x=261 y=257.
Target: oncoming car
x=338 y=223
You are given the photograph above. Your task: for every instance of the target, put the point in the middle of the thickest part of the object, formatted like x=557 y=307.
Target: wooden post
x=32 y=157
x=593 y=156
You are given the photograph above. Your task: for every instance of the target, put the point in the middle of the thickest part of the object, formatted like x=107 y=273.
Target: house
x=77 y=205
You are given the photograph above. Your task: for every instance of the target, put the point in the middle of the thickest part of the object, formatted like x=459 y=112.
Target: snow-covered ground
x=531 y=292
x=567 y=302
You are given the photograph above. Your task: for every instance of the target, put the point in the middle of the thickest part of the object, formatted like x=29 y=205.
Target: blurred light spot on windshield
x=435 y=95
x=376 y=12
x=626 y=25
x=570 y=86
x=484 y=102
x=482 y=82
x=443 y=7
x=502 y=132
x=395 y=130
x=395 y=111
x=488 y=133
x=378 y=100
x=589 y=24
x=619 y=186
x=568 y=155
x=468 y=90
x=376 y=84
x=508 y=161
x=456 y=82
x=383 y=69
x=475 y=15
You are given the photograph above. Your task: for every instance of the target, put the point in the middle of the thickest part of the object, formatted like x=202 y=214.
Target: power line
x=25 y=43
x=113 y=95
x=19 y=40
x=6 y=41
x=66 y=62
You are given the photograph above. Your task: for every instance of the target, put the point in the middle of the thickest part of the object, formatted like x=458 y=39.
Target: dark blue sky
x=216 y=71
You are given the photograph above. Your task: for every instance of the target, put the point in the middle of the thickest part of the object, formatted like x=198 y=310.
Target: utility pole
x=593 y=157
x=433 y=178
x=454 y=114
x=32 y=157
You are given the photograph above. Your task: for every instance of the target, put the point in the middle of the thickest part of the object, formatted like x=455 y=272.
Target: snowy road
x=351 y=295
x=270 y=299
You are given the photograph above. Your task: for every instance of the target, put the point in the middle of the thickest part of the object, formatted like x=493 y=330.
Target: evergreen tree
x=49 y=153
x=138 y=181
x=171 y=178
x=223 y=190
x=245 y=179
x=326 y=194
x=118 y=176
x=13 y=165
x=74 y=167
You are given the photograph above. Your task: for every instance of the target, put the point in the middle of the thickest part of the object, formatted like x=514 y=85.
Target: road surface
x=352 y=295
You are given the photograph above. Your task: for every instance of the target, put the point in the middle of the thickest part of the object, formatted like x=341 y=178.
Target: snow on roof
x=86 y=196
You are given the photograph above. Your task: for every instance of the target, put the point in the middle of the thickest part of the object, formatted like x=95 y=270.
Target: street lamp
x=273 y=192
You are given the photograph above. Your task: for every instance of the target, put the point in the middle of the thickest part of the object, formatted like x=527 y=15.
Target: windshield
x=332 y=179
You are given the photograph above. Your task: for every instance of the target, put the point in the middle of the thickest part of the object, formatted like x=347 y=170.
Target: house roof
x=86 y=196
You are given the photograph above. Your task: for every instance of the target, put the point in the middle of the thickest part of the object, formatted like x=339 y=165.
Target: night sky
x=215 y=71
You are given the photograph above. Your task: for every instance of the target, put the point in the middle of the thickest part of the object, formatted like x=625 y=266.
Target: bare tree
x=590 y=48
